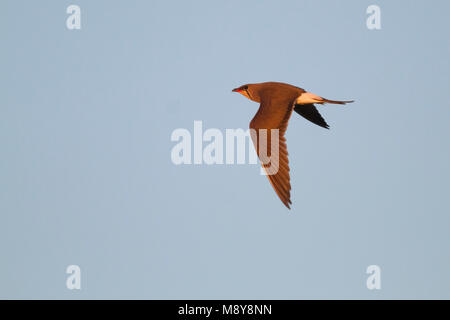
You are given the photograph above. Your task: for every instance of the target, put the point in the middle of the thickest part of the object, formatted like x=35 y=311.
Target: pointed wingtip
x=288 y=204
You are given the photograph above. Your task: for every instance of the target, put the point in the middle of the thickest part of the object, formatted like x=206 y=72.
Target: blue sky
x=86 y=176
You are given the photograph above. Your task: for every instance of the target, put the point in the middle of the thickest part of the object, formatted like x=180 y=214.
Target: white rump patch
x=307 y=98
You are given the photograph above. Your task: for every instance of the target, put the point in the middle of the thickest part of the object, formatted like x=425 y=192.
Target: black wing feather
x=309 y=112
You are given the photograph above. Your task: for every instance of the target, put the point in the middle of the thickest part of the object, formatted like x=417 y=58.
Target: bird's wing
x=273 y=115
x=309 y=112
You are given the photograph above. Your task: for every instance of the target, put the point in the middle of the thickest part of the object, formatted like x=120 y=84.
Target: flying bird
x=277 y=101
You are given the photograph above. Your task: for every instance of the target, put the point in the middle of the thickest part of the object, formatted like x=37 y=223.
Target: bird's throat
x=246 y=94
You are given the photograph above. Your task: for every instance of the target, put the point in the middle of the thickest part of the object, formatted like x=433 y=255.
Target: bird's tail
x=335 y=101
x=308 y=97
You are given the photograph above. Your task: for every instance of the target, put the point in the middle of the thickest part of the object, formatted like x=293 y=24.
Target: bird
x=277 y=102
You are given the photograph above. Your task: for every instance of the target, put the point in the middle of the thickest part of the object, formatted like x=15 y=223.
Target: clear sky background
x=86 y=176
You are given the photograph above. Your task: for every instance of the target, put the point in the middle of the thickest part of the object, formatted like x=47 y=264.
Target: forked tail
x=335 y=101
x=308 y=97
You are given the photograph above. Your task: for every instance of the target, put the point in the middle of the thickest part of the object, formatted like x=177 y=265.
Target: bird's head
x=248 y=91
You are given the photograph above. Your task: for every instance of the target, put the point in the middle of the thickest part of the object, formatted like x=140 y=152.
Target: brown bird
x=277 y=100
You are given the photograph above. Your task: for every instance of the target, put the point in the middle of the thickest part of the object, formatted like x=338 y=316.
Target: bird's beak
x=236 y=90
